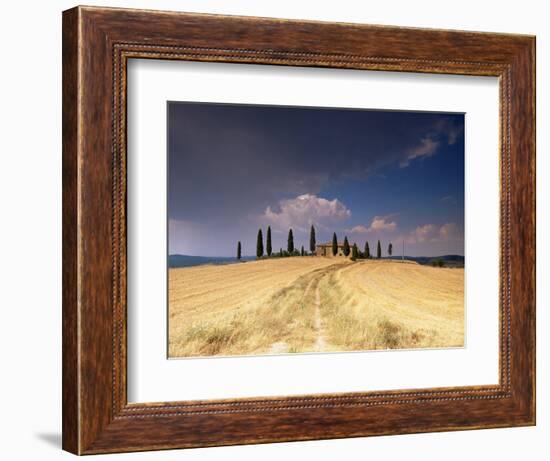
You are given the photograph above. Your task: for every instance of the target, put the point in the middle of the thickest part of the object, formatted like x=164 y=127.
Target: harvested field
x=313 y=304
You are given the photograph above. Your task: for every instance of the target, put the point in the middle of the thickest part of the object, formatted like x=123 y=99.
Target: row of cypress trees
x=355 y=253
x=291 y=250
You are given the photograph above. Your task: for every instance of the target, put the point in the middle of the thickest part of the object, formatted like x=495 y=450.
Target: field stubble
x=313 y=304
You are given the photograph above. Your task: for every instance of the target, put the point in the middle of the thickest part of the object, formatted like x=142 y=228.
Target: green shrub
x=438 y=262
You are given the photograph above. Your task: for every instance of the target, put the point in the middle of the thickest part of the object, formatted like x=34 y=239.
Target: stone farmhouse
x=325 y=249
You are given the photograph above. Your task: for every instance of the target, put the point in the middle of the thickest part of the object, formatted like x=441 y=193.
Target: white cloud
x=425 y=233
x=432 y=233
x=427 y=147
x=448 y=231
x=360 y=229
x=381 y=223
x=378 y=224
x=300 y=212
x=444 y=132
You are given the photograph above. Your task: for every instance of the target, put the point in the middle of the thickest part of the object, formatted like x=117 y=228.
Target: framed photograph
x=282 y=230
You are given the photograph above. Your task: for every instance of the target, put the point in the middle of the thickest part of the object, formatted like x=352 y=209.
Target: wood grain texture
x=70 y=384
x=97 y=42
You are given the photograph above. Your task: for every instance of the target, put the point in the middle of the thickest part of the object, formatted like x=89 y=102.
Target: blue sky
x=370 y=175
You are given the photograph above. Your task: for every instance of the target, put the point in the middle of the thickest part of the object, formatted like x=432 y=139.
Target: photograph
x=313 y=229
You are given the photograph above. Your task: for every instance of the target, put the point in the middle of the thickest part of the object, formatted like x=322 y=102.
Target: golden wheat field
x=313 y=304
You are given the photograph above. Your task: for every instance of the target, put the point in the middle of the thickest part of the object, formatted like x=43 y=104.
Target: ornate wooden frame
x=97 y=43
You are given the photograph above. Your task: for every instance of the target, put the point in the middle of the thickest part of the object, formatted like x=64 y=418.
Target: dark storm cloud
x=229 y=162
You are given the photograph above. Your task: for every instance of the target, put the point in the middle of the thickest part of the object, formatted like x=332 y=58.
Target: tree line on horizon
x=292 y=251
x=354 y=250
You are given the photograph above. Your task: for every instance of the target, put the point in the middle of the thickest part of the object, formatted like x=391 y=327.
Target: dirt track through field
x=313 y=304
x=320 y=342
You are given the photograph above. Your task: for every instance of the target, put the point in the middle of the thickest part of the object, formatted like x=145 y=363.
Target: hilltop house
x=325 y=249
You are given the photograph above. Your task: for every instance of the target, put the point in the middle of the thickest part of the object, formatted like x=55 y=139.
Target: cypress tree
x=302 y=253
x=378 y=250
x=354 y=252
x=390 y=249
x=239 y=250
x=290 y=243
x=334 y=245
x=346 y=246
x=260 y=244
x=281 y=252
x=312 y=241
x=367 y=251
x=268 y=241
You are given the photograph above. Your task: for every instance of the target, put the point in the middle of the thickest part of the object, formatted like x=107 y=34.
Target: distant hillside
x=449 y=260
x=188 y=261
